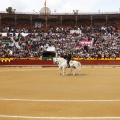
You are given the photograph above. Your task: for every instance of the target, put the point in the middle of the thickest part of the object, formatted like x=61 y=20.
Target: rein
x=57 y=61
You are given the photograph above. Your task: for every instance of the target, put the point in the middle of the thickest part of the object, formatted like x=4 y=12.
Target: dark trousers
x=68 y=62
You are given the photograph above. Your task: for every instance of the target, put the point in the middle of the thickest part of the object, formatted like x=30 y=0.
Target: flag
x=45 y=3
x=34 y=10
x=55 y=10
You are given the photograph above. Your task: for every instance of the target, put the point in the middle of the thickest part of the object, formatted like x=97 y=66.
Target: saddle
x=71 y=61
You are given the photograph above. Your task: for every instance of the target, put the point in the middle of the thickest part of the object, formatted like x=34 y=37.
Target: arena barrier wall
x=39 y=62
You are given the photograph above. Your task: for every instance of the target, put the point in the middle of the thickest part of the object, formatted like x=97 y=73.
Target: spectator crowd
x=105 y=42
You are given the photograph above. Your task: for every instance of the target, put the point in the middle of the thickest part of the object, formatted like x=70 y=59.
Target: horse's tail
x=79 y=66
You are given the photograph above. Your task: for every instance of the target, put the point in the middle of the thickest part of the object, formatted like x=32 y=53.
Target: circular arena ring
x=36 y=93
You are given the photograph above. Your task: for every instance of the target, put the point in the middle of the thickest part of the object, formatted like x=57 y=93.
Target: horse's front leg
x=59 y=67
x=63 y=71
x=60 y=70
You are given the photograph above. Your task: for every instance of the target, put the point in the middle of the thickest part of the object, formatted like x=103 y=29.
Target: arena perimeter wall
x=39 y=62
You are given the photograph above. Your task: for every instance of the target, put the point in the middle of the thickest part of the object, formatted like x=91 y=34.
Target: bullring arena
x=41 y=93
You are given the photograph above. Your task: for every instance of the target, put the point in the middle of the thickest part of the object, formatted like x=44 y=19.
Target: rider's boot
x=68 y=66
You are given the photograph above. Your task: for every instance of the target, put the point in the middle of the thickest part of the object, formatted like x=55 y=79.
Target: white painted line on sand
x=60 y=118
x=33 y=100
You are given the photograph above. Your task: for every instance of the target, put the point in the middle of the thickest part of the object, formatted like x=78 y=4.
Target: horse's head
x=58 y=60
x=55 y=61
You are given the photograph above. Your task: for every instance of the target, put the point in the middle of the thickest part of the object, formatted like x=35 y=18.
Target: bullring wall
x=35 y=62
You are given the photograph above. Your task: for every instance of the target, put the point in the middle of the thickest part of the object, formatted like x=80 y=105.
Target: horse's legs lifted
x=64 y=70
x=60 y=70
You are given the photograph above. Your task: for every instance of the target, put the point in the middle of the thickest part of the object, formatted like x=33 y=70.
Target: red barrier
x=50 y=62
x=100 y=62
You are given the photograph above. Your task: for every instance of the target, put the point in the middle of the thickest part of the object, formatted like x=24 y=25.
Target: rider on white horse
x=62 y=64
x=68 y=57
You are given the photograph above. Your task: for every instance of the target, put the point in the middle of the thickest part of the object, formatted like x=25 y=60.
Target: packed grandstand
x=83 y=42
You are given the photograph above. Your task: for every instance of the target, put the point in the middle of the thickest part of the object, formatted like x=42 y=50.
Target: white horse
x=62 y=64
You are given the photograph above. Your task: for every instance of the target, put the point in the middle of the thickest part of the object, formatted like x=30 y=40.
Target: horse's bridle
x=56 y=61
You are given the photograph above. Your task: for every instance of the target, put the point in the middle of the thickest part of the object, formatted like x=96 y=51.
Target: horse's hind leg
x=70 y=70
x=79 y=71
x=74 y=72
x=60 y=72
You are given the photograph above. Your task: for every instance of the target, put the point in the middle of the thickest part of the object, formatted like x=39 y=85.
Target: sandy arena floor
x=43 y=94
